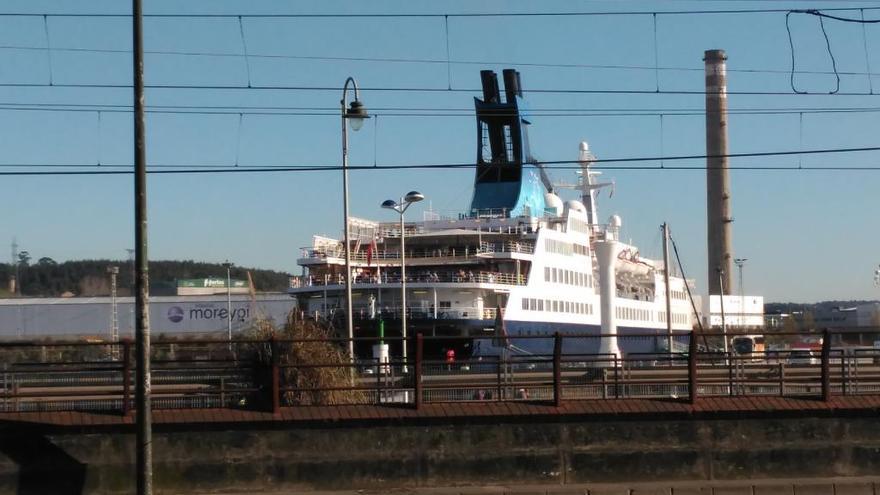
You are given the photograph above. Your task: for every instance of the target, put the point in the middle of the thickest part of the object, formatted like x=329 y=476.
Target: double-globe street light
x=739 y=262
x=356 y=113
x=401 y=207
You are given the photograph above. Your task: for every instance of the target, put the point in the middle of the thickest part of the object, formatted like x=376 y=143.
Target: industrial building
x=93 y=317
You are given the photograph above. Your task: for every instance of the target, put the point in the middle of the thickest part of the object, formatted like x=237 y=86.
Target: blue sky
x=808 y=235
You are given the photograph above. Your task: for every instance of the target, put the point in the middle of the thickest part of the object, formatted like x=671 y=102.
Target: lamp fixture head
x=413 y=197
x=356 y=114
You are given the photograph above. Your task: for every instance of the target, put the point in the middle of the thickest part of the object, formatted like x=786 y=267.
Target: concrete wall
x=328 y=456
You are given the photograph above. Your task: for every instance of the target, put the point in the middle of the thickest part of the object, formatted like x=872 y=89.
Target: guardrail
x=274 y=373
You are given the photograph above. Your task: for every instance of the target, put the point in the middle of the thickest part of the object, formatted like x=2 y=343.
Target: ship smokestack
x=719 y=217
x=511 y=85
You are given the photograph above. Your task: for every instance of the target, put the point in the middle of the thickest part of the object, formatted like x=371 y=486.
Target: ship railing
x=457 y=252
x=258 y=373
x=507 y=247
x=416 y=276
x=420 y=312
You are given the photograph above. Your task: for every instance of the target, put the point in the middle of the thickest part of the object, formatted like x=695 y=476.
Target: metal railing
x=419 y=276
x=272 y=373
x=457 y=252
x=415 y=312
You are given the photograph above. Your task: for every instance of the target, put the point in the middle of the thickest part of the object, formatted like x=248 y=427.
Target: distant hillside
x=89 y=277
x=823 y=306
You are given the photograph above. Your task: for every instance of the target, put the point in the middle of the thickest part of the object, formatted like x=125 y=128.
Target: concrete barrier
x=562 y=454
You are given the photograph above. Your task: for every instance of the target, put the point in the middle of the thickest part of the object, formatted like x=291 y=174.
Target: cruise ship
x=520 y=262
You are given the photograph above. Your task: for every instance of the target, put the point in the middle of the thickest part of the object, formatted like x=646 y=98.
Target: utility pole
x=144 y=440
x=665 y=228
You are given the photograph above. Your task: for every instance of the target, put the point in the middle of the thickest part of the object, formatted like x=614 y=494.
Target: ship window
x=540 y=305
x=546 y=273
x=555 y=306
x=525 y=303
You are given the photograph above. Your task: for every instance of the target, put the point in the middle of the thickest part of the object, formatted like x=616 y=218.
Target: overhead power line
x=235 y=170
x=405 y=112
x=332 y=110
x=550 y=164
x=429 y=15
x=419 y=90
x=249 y=55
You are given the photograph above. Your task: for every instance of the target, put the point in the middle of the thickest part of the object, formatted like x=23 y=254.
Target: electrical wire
x=820 y=14
x=831 y=55
x=406 y=113
x=208 y=170
x=429 y=111
x=430 y=15
x=550 y=164
x=250 y=55
x=404 y=89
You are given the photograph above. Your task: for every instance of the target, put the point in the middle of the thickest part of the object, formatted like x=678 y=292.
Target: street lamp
x=228 y=266
x=742 y=301
x=401 y=207
x=356 y=113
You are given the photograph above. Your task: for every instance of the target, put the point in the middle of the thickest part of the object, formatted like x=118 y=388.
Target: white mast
x=587 y=184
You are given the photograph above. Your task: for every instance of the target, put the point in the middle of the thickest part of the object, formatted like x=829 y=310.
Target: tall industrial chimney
x=717 y=175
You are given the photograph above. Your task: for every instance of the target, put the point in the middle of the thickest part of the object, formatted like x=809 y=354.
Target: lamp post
x=228 y=266
x=357 y=113
x=401 y=207
x=114 y=314
x=742 y=299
